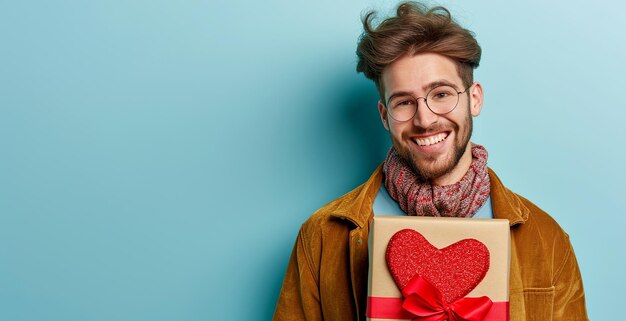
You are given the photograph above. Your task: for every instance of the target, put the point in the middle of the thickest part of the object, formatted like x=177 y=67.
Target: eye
x=402 y=102
x=442 y=93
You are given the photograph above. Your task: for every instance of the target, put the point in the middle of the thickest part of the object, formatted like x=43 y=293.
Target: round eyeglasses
x=440 y=100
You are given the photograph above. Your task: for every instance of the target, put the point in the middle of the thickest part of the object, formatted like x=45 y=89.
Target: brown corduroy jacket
x=326 y=277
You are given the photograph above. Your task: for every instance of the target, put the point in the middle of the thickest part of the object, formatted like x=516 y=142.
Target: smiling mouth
x=431 y=140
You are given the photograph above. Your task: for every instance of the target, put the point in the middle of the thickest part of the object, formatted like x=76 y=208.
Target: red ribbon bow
x=426 y=303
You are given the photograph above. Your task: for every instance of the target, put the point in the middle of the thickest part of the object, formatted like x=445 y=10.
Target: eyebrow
x=427 y=87
x=437 y=83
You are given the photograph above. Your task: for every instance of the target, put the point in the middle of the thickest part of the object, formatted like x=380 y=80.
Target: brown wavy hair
x=415 y=29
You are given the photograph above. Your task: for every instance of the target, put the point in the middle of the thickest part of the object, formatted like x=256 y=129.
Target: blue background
x=158 y=157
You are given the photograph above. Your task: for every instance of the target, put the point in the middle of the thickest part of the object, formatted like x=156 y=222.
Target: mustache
x=435 y=128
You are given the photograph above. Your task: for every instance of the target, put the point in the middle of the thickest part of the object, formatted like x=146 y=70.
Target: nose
x=424 y=117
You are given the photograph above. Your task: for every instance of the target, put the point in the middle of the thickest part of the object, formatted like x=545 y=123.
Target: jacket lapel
x=358 y=211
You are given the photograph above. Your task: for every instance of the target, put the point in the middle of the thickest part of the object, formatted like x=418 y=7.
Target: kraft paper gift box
x=427 y=268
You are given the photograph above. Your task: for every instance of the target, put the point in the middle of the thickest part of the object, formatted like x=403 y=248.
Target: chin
x=428 y=169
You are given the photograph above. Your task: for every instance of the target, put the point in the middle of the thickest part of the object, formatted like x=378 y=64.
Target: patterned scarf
x=461 y=199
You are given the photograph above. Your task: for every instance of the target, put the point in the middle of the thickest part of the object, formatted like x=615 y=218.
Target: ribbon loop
x=425 y=302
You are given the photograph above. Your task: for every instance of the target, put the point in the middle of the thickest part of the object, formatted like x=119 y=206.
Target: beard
x=429 y=168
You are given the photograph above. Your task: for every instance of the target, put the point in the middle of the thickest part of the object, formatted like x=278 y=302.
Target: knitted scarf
x=461 y=199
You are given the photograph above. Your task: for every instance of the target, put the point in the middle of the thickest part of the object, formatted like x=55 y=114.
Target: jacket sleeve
x=569 y=296
x=299 y=296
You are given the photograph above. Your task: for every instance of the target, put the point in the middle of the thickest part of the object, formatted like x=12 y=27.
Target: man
x=422 y=64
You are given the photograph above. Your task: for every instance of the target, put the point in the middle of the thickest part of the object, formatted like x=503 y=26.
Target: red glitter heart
x=454 y=270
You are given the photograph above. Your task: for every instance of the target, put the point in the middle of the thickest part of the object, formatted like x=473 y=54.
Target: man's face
x=435 y=146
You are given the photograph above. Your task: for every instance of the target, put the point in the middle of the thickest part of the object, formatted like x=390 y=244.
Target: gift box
x=427 y=268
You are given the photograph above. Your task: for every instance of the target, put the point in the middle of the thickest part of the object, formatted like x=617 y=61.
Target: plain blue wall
x=158 y=157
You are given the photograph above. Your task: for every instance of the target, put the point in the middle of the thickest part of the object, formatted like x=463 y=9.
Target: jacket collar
x=505 y=203
x=356 y=206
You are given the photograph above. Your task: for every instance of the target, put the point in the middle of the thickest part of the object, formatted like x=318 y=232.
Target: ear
x=476 y=99
x=383 y=114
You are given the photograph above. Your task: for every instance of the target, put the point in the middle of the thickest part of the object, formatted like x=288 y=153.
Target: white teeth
x=430 y=140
